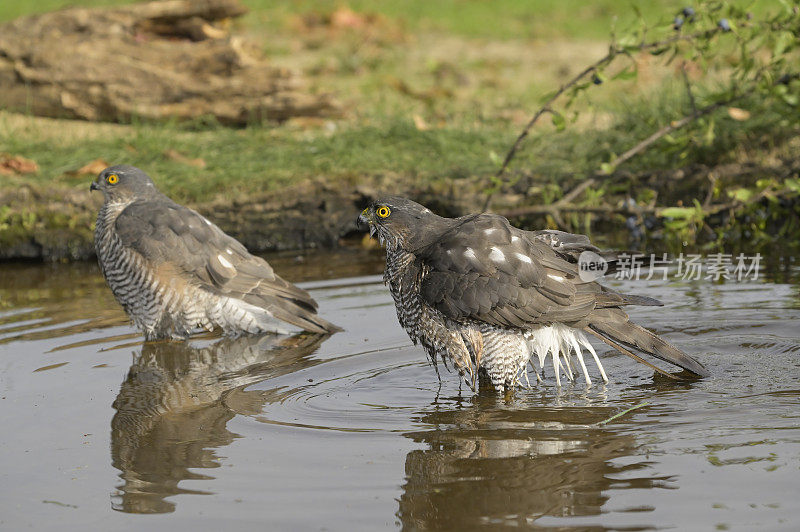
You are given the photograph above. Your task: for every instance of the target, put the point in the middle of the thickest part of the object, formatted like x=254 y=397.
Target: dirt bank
x=55 y=222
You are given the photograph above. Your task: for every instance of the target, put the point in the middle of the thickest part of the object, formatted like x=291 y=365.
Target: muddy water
x=355 y=431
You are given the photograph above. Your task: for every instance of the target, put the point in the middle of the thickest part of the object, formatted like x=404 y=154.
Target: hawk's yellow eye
x=383 y=211
x=112 y=179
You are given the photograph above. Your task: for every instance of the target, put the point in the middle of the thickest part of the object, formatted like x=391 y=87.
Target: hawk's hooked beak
x=94 y=186
x=365 y=219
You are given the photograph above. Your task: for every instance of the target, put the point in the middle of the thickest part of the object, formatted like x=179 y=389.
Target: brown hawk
x=487 y=296
x=174 y=272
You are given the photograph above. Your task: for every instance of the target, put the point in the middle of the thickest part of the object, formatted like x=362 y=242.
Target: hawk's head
x=123 y=183
x=401 y=223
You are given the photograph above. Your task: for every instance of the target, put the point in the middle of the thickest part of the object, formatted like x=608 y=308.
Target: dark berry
x=724 y=25
x=636 y=233
x=688 y=12
x=678 y=23
x=596 y=80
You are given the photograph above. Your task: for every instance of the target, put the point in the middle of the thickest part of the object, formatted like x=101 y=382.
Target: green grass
x=473 y=98
x=495 y=19
x=471 y=72
x=260 y=159
x=257 y=159
x=11 y=9
x=487 y=19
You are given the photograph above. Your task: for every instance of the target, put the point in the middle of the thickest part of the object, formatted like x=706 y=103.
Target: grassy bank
x=433 y=96
x=501 y=19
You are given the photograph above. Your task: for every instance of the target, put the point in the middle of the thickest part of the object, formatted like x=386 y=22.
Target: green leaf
x=790 y=99
x=628 y=41
x=626 y=74
x=675 y=225
x=710 y=134
x=764 y=183
x=559 y=121
x=699 y=214
x=740 y=194
x=783 y=41
x=607 y=168
x=547 y=96
x=793 y=184
x=678 y=212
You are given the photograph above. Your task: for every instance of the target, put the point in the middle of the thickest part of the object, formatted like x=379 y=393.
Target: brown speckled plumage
x=486 y=296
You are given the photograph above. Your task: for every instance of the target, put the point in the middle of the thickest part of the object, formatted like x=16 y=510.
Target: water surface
x=356 y=432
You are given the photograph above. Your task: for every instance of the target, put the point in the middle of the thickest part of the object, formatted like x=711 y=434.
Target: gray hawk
x=487 y=296
x=174 y=272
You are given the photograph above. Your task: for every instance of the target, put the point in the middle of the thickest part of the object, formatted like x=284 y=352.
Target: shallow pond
x=356 y=432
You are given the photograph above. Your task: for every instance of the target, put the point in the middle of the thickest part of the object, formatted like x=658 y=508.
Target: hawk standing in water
x=487 y=296
x=174 y=272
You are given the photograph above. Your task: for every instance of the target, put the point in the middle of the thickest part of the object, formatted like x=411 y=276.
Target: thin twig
x=620 y=414
x=556 y=216
x=688 y=86
x=672 y=126
x=546 y=107
x=566 y=207
x=669 y=128
x=575 y=192
x=710 y=193
x=608 y=209
x=564 y=204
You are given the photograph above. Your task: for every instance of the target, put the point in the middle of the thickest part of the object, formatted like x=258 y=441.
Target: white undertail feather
x=236 y=315
x=559 y=341
x=576 y=347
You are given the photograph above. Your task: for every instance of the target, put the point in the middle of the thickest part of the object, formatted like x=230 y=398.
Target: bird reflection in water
x=173 y=408
x=487 y=465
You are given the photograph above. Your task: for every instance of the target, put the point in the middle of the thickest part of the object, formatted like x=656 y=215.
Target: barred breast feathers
x=503 y=353
x=423 y=323
x=129 y=277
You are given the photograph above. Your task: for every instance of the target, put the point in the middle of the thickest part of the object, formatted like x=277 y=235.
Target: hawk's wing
x=175 y=237
x=569 y=246
x=562 y=241
x=486 y=270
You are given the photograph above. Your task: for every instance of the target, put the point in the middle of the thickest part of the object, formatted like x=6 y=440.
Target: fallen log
x=157 y=60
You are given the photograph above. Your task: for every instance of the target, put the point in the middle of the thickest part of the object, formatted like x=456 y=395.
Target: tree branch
x=669 y=128
x=546 y=107
x=558 y=208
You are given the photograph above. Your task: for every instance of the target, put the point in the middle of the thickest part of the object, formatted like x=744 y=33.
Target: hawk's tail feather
x=291 y=304
x=305 y=319
x=614 y=328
